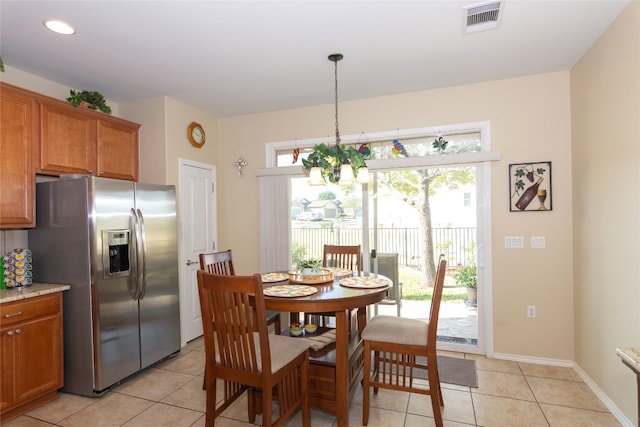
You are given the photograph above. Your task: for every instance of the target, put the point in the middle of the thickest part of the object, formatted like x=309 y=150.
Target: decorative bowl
x=295 y=331
x=310 y=328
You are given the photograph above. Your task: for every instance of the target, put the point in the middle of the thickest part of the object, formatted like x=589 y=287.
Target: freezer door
x=61 y=248
x=117 y=350
x=159 y=302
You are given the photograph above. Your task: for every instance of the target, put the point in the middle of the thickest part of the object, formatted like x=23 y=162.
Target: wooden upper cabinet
x=68 y=141
x=117 y=150
x=80 y=141
x=18 y=132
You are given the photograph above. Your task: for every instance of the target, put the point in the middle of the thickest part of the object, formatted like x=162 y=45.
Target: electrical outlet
x=531 y=311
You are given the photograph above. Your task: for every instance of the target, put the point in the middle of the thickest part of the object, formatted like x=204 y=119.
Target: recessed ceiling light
x=59 y=27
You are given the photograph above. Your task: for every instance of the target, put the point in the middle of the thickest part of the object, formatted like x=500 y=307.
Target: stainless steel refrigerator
x=115 y=243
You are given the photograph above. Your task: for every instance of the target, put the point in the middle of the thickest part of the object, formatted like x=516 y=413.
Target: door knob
x=189 y=262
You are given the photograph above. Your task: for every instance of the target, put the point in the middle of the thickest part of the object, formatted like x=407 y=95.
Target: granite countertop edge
x=631 y=356
x=35 y=290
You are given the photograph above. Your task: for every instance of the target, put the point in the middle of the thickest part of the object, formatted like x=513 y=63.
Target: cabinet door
x=6 y=368
x=38 y=361
x=67 y=143
x=117 y=155
x=17 y=176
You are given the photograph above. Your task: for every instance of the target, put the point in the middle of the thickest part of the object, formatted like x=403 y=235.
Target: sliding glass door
x=415 y=215
x=428 y=194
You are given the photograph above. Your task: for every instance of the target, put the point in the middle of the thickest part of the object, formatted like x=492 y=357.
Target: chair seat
x=397 y=330
x=283 y=350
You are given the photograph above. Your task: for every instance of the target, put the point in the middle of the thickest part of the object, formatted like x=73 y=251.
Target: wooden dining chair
x=222 y=263
x=348 y=257
x=399 y=347
x=241 y=352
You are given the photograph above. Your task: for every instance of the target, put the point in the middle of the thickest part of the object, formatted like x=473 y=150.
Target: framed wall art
x=530 y=187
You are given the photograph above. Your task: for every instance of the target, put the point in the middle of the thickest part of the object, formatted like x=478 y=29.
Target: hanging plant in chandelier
x=337 y=163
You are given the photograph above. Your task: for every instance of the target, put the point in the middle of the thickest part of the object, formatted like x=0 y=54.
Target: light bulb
x=315 y=176
x=346 y=174
x=363 y=175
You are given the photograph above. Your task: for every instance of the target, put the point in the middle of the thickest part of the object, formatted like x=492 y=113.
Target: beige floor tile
x=378 y=417
x=225 y=422
x=385 y=399
x=318 y=419
x=458 y=406
x=493 y=411
x=161 y=415
x=420 y=421
x=25 y=421
x=154 y=384
x=111 y=410
x=503 y=384
x=66 y=405
x=189 y=363
x=189 y=396
x=566 y=393
x=561 y=416
x=487 y=364
x=545 y=371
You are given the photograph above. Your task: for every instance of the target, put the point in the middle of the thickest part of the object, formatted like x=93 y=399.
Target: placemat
x=319 y=341
x=340 y=272
x=290 y=291
x=274 y=277
x=364 y=282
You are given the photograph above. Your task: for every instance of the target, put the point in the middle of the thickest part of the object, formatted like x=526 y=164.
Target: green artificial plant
x=95 y=100
x=330 y=157
x=313 y=264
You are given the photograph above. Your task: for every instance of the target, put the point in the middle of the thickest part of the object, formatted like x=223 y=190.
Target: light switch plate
x=514 y=242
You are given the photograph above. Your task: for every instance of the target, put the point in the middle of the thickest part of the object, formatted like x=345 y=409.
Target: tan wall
x=605 y=103
x=530 y=121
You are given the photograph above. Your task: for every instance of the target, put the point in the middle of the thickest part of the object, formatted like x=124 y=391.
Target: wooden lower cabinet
x=31 y=355
x=322 y=374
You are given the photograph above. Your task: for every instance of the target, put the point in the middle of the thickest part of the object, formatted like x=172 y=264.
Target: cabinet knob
x=10 y=333
x=18 y=331
x=90 y=170
x=100 y=172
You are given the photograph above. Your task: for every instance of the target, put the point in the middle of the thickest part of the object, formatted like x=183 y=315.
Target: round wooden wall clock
x=196 y=135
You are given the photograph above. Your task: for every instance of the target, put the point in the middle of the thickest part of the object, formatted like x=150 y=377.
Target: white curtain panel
x=274 y=223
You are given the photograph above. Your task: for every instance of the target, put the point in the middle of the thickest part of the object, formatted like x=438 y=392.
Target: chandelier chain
x=336 y=93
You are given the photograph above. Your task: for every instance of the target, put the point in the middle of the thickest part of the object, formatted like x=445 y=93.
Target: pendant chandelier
x=338 y=164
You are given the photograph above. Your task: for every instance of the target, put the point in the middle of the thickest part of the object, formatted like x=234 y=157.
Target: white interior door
x=197 y=235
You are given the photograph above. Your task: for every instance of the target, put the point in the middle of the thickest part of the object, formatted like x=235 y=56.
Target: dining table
x=335 y=369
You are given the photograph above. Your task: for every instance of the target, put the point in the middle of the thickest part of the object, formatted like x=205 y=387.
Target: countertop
x=631 y=357
x=35 y=290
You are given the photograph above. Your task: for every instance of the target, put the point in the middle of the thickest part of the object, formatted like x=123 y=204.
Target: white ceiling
x=240 y=57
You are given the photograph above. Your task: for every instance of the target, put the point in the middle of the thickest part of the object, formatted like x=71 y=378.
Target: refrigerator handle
x=133 y=255
x=142 y=261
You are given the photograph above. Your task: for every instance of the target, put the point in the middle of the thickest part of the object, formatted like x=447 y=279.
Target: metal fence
x=457 y=244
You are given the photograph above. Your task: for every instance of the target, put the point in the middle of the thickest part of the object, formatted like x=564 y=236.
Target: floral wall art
x=530 y=187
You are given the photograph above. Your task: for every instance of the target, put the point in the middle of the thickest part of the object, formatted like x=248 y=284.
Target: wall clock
x=195 y=133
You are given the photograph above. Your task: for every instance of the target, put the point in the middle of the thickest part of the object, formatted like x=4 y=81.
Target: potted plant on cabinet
x=92 y=99
x=468 y=276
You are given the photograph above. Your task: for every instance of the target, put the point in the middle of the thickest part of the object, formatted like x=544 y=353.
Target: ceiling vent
x=482 y=16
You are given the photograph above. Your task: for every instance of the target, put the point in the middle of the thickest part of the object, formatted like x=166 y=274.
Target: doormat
x=452 y=370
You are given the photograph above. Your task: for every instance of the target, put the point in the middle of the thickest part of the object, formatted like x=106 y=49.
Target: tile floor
x=170 y=394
